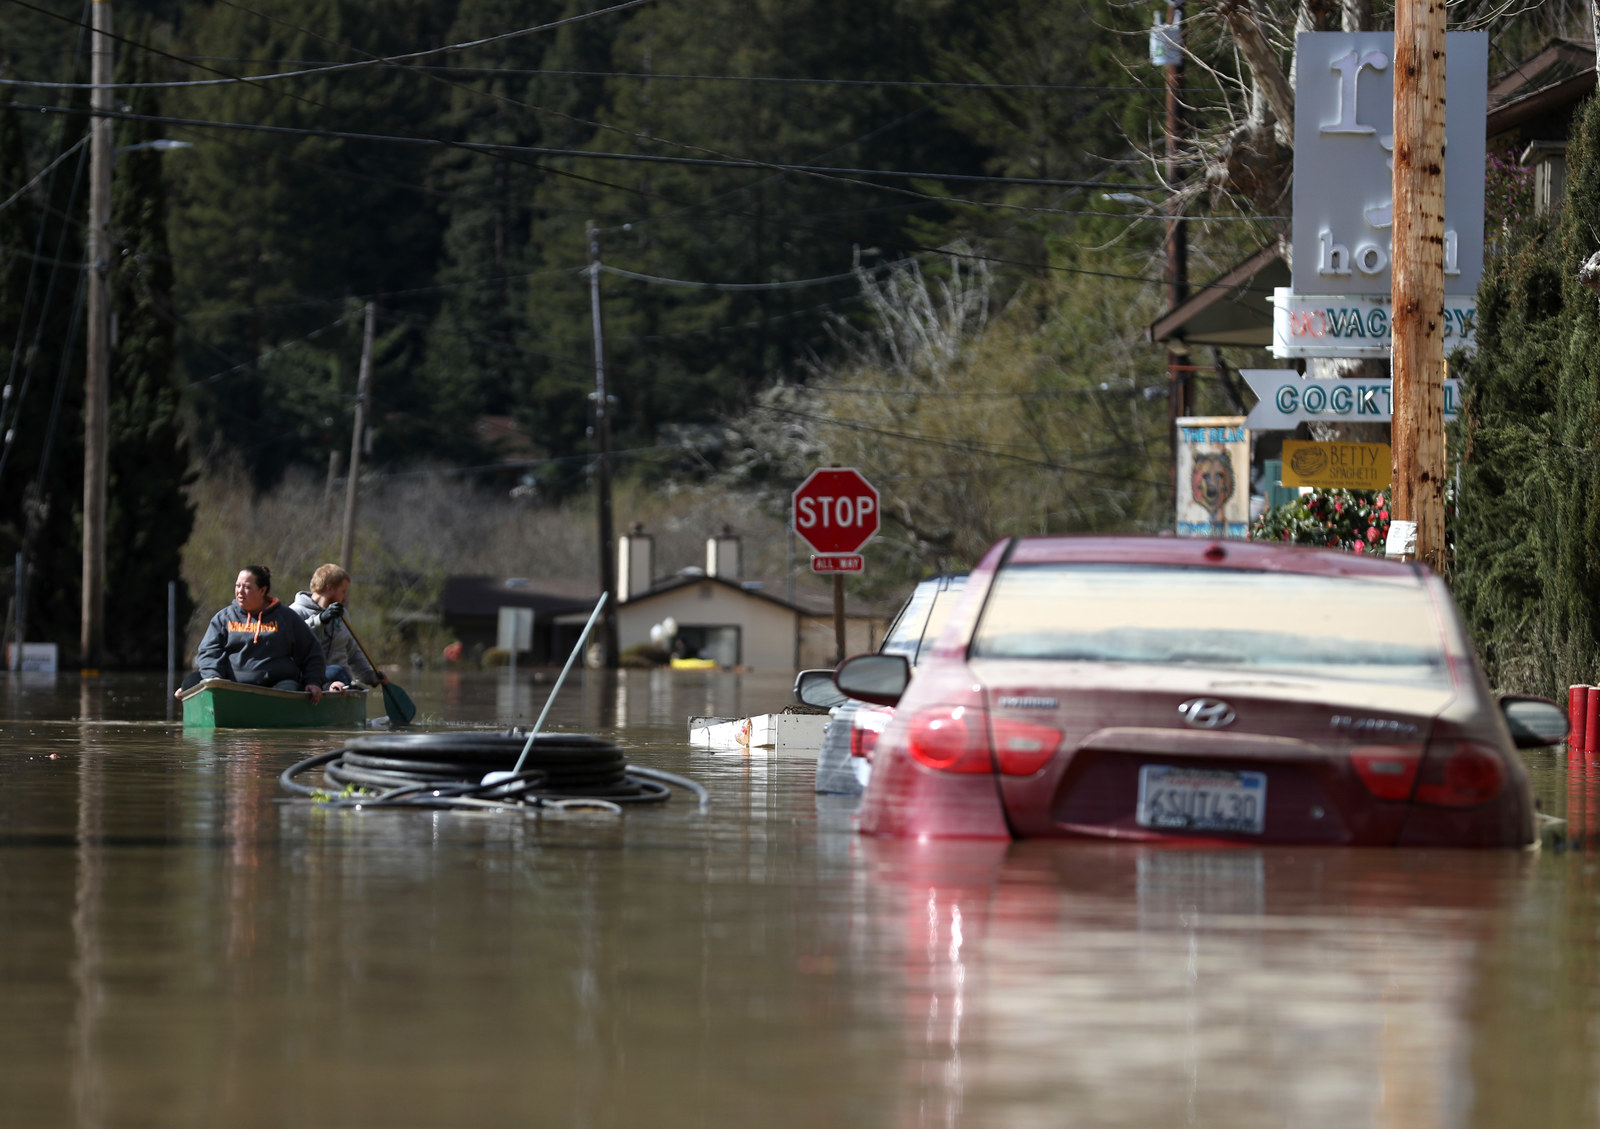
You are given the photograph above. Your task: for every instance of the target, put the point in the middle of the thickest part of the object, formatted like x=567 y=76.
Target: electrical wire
x=312 y=67
x=330 y=68
x=966 y=448
x=797 y=284
x=491 y=148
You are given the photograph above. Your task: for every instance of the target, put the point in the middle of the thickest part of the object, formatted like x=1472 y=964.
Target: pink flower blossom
x=1338 y=506
x=1372 y=534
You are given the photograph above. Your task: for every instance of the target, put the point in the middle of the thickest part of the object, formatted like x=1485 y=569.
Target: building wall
x=766 y=630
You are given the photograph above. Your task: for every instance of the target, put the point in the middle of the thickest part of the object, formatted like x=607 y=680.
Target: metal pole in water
x=562 y=677
x=172 y=637
x=16 y=622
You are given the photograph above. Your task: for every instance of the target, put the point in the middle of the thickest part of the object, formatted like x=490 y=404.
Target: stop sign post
x=836 y=512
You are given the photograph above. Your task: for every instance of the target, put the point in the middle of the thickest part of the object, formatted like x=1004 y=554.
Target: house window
x=1549 y=161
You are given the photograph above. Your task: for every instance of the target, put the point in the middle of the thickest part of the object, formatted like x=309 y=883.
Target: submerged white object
x=762 y=733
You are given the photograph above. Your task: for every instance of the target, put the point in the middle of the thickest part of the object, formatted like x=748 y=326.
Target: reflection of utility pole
x=97 y=382
x=1417 y=431
x=602 y=446
x=1180 y=378
x=347 y=542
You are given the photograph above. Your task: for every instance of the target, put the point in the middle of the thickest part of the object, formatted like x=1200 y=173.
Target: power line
x=578 y=154
x=312 y=67
x=968 y=448
x=330 y=68
x=797 y=284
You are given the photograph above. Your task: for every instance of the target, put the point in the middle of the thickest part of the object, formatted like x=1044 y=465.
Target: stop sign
x=836 y=510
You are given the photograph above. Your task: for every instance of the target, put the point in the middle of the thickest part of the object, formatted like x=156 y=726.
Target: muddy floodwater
x=182 y=946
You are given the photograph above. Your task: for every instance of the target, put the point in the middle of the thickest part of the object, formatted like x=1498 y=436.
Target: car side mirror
x=1534 y=722
x=816 y=688
x=879 y=679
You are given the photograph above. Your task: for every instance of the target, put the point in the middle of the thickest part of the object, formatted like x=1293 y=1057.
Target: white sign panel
x=1213 y=477
x=1356 y=325
x=1344 y=160
x=32 y=658
x=515 y=629
x=1288 y=399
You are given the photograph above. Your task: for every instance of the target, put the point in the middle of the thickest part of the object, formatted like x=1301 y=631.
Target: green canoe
x=219 y=704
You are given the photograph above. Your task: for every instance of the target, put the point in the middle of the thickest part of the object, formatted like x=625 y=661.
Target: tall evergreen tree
x=474 y=353
x=273 y=233
x=148 y=516
x=684 y=354
x=41 y=481
x=1527 y=546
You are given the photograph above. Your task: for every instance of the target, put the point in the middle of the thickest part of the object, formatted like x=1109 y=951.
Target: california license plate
x=1201 y=799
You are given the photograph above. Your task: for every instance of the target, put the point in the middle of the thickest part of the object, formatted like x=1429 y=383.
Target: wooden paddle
x=396 y=702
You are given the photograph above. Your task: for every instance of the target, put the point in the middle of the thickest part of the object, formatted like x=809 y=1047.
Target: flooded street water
x=180 y=946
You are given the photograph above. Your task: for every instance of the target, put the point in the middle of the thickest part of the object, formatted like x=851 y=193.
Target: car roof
x=1203 y=552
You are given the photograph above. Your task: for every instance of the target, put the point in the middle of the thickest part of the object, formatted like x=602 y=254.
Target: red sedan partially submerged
x=1163 y=688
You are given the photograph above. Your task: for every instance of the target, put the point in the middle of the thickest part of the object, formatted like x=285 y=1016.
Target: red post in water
x=1577 y=716
x=1591 y=723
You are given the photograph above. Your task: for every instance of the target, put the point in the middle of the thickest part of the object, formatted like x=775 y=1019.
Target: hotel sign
x=1288 y=399
x=1356 y=326
x=1344 y=161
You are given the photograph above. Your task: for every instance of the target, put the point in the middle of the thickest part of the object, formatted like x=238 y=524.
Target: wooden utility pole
x=838 y=618
x=97 y=383
x=1418 y=274
x=347 y=540
x=1180 y=376
x=602 y=446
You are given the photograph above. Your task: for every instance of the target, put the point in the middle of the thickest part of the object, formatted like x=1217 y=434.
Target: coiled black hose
x=447 y=770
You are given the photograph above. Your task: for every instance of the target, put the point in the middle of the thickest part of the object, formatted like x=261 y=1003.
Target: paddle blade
x=398 y=704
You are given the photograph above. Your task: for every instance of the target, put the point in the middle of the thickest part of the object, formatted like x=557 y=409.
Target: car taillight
x=865 y=728
x=1388 y=771
x=1459 y=774
x=956 y=739
x=950 y=739
x=1023 y=747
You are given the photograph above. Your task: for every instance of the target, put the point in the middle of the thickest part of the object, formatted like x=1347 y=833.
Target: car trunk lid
x=1274 y=759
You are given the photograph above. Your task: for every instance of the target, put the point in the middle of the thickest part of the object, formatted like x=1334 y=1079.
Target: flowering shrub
x=1356 y=521
x=1507 y=194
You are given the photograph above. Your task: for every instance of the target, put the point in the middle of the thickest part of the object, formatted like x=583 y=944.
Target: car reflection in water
x=1165 y=688
x=1142 y=985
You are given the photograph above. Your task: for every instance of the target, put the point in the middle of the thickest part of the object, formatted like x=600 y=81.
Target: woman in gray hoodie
x=257 y=640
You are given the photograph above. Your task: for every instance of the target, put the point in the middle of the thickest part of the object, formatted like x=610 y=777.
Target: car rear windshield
x=1325 y=626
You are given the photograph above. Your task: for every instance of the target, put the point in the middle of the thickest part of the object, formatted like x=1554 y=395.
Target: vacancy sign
x=836 y=512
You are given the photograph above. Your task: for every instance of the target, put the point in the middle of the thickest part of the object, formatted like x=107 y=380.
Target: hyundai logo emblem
x=1206 y=713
